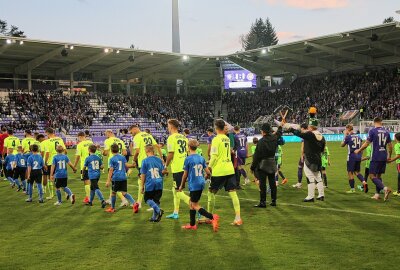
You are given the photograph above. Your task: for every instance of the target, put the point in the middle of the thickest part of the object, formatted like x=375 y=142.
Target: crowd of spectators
x=376 y=92
x=53 y=107
x=194 y=112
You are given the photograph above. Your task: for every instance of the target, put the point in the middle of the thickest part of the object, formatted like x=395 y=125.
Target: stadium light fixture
x=21 y=42
x=106 y=50
x=117 y=51
x=185 y=58
x=263 y=51
x=151 y=53
x=71 y=47
x=8 y=41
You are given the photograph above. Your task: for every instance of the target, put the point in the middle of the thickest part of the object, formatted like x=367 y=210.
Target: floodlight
x=263 y=51
x=71 y=47
x=8 y=41
x=21 y=42
x=106 y=50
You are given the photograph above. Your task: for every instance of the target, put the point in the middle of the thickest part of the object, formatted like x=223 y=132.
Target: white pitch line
x=310 y=207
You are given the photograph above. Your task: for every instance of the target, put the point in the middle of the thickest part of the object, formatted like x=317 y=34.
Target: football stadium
x=281 y=154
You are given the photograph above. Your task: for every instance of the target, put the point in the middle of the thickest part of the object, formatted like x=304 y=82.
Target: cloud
x=285 y=37
x=311 y=4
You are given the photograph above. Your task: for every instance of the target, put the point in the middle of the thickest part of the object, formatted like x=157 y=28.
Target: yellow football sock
x=87 y=190
x=51 y=188
x=210 y=202
x=185 y=198
x=236 y=203
x=176 y=200
x=120 y=196
x=140 y=195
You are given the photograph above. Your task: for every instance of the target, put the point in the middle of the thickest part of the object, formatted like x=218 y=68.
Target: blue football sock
x=30 y=188
x=58 y=192
x=129 y=198
x=113 y=199
x=99 y=194
x=91 y=198
x=16 y=181
x=153 y=205
x=11 y=180
x=68 y=191
x=40 y=191
x=24 y=184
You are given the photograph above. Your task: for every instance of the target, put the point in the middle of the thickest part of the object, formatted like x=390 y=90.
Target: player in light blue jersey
x=34 y=173
x=20 y=170
x=59 y=174
x=94 y=164
x=117 y=179
x=152 y=182
x=194 y=167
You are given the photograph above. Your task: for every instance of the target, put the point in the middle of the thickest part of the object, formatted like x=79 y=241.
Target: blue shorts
x=353 y=166
x=377 y=167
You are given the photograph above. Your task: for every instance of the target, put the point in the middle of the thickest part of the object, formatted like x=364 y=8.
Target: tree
x=12 y=32
x=261 y=34
x=388 y=20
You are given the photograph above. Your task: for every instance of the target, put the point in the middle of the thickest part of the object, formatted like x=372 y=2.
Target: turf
x=346 y=231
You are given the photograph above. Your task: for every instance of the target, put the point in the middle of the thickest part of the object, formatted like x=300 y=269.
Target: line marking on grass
x=310 y=207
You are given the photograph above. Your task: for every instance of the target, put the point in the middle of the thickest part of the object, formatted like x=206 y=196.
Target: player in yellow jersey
x=140 y=141
x=28 y=141
x=111 y=139
x=177 y=145
x=50 y=150
x=222 y=170
x=11 y=142
x=82 y=152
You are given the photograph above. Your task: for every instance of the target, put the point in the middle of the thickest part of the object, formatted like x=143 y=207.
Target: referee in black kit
x=264 y=164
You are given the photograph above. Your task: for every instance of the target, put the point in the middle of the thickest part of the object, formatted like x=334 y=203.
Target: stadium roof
x=349 y=50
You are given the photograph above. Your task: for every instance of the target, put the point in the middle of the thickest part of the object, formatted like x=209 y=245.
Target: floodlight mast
x=176 y=46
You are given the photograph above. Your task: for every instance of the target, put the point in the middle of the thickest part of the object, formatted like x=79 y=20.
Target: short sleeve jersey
x=210 y=138
x=9 y=161
x=109 y=142
x=152 y=168
x=241 y=144
x=140 y=141
x=177 y=144
x=253 y=149
x=93 y=163
x=353 y=142
x=35 y=162
x=368 y=153
x=117 y=162
x=12 y=142
x=51 y=146
x=221 y=152
x=26 y=144
x=60 y=163
x=21 y=160
x=397 y=152
x=379 y=138
x=82 y=150
x=195 y=165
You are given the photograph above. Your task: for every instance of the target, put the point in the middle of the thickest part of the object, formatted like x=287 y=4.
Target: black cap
x=266 y=128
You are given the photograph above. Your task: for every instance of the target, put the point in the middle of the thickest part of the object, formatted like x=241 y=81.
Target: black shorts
x=9 y=173
x=154 y=195
x=227 y=181
x=94 y=184
x=35 y=177
x=195 y=195
x=127 y=157
x=20 y=173
x=61 y=182
x=84 y=175
x=46 y=172
x=177 y=179
x=119 y=186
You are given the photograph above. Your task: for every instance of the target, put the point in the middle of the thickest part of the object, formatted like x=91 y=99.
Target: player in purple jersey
x=353 y=142
x=127 y=139
x=241 y=152
x=380 y=139
x=211 y=135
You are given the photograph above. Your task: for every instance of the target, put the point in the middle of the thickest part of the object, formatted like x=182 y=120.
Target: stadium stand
x=377 y=92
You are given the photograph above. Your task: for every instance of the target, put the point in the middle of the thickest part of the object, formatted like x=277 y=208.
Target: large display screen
x=239 y=79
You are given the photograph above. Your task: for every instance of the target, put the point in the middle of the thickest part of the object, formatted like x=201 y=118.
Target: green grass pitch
x=347 y=231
